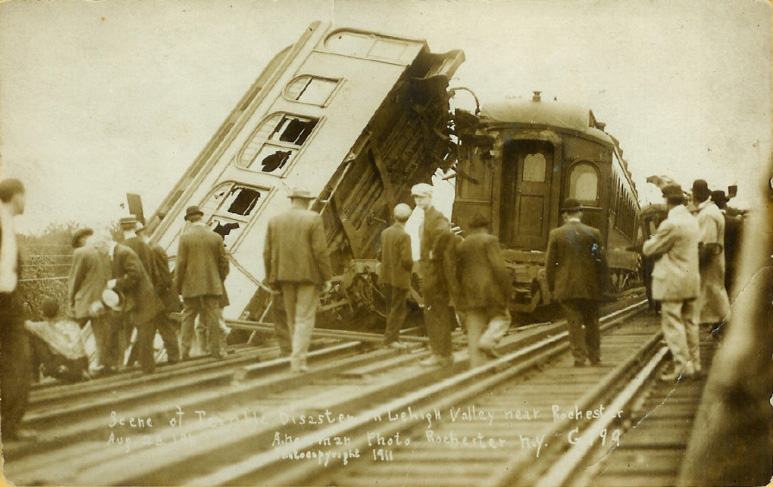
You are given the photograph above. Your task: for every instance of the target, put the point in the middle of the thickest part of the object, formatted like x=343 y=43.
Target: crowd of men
x=125 y=288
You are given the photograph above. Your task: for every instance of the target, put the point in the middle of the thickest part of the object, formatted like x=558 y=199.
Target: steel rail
x=470 y=383
x=570 y=461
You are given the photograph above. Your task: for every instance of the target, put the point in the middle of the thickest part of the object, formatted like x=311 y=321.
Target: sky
x=101 y=98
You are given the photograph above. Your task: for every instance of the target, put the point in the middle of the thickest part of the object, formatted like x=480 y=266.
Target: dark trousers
x=167 y=328
x=146 y=332
x=15 y=365
x=582 y=315
x=396 y=311
x=438 y=314
x=208 y=310
x=281 y=328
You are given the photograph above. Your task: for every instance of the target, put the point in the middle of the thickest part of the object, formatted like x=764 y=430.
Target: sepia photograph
x=403 y=243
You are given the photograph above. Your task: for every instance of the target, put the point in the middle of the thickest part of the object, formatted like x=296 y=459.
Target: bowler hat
x=421 y=189
x=479 y=221
x=113 y=299
x=571 y=205
x=79 y=234
x=301 y=193
x=719 y=197
x=191 y=211
x=128 y=221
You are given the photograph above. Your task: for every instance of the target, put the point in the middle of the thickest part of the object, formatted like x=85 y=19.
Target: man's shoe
x=302 y=369
x=595 y=363
x=698 y=375
x=490 y=351
x=670 y=376
x=397 y=345
x=579 y=363
x=437 y=361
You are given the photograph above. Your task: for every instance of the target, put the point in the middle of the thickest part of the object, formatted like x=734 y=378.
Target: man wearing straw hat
x=676 y=283
x=297 y=263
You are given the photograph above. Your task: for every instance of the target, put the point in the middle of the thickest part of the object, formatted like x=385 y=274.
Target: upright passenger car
x=519 y=160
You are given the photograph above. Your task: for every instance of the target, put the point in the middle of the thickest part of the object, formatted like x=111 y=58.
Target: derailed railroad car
x=355 y=117
x=518 y=160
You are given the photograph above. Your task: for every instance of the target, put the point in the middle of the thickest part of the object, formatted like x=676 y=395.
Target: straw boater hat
x=128 y=222
x=113 y=299
x=300 y=193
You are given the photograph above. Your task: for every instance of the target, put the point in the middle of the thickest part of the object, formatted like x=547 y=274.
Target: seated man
x=58 y=346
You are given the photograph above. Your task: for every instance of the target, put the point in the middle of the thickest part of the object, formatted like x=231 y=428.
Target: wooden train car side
x=518 y=162
x=355 y=117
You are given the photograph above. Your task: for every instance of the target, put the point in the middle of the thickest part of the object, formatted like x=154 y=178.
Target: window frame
x=297 y=150
x=570 y=170
x=243 y=220
x=330 y=96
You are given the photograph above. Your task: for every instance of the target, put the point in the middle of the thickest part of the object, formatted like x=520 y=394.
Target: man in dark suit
x=91 y=270
x=482 y=290
x=139 y=303
x=128 y=226
x=297 y=262
x=202 y=266
x=578 y=275
x=15 y=358
x=164 y=287
x=395 y=275
x=438 y=315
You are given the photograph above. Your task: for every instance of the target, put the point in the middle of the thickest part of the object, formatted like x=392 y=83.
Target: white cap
x=402 y=212
x=422 y=189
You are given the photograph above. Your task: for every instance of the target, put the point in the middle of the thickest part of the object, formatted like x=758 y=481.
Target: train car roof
x=547 y=113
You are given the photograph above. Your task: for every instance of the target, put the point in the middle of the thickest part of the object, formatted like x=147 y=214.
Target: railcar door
x=526 y=179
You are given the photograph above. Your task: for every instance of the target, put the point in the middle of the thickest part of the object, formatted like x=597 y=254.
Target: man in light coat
x=676 y=282
x=713 y=304
x=578 y=275
x=297 y=263
x=395 y=274
x=202 y=266
x=91 y=270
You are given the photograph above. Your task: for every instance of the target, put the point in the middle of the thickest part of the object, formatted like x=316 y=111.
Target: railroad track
x=474 y=428
x=651 y=449
x=171 y=434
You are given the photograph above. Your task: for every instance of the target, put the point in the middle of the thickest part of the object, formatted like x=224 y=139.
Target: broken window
x=293 y=129
x=226 y=228
x=241 y=200
x=310 y=89
x=275 y=141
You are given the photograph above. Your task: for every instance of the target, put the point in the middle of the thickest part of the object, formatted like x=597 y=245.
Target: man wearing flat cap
x=395 y=275
x=713 y=303
x=439 y=318
x=297 y=264
x=676 y=283
x=202 y=266
x=578 y=276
